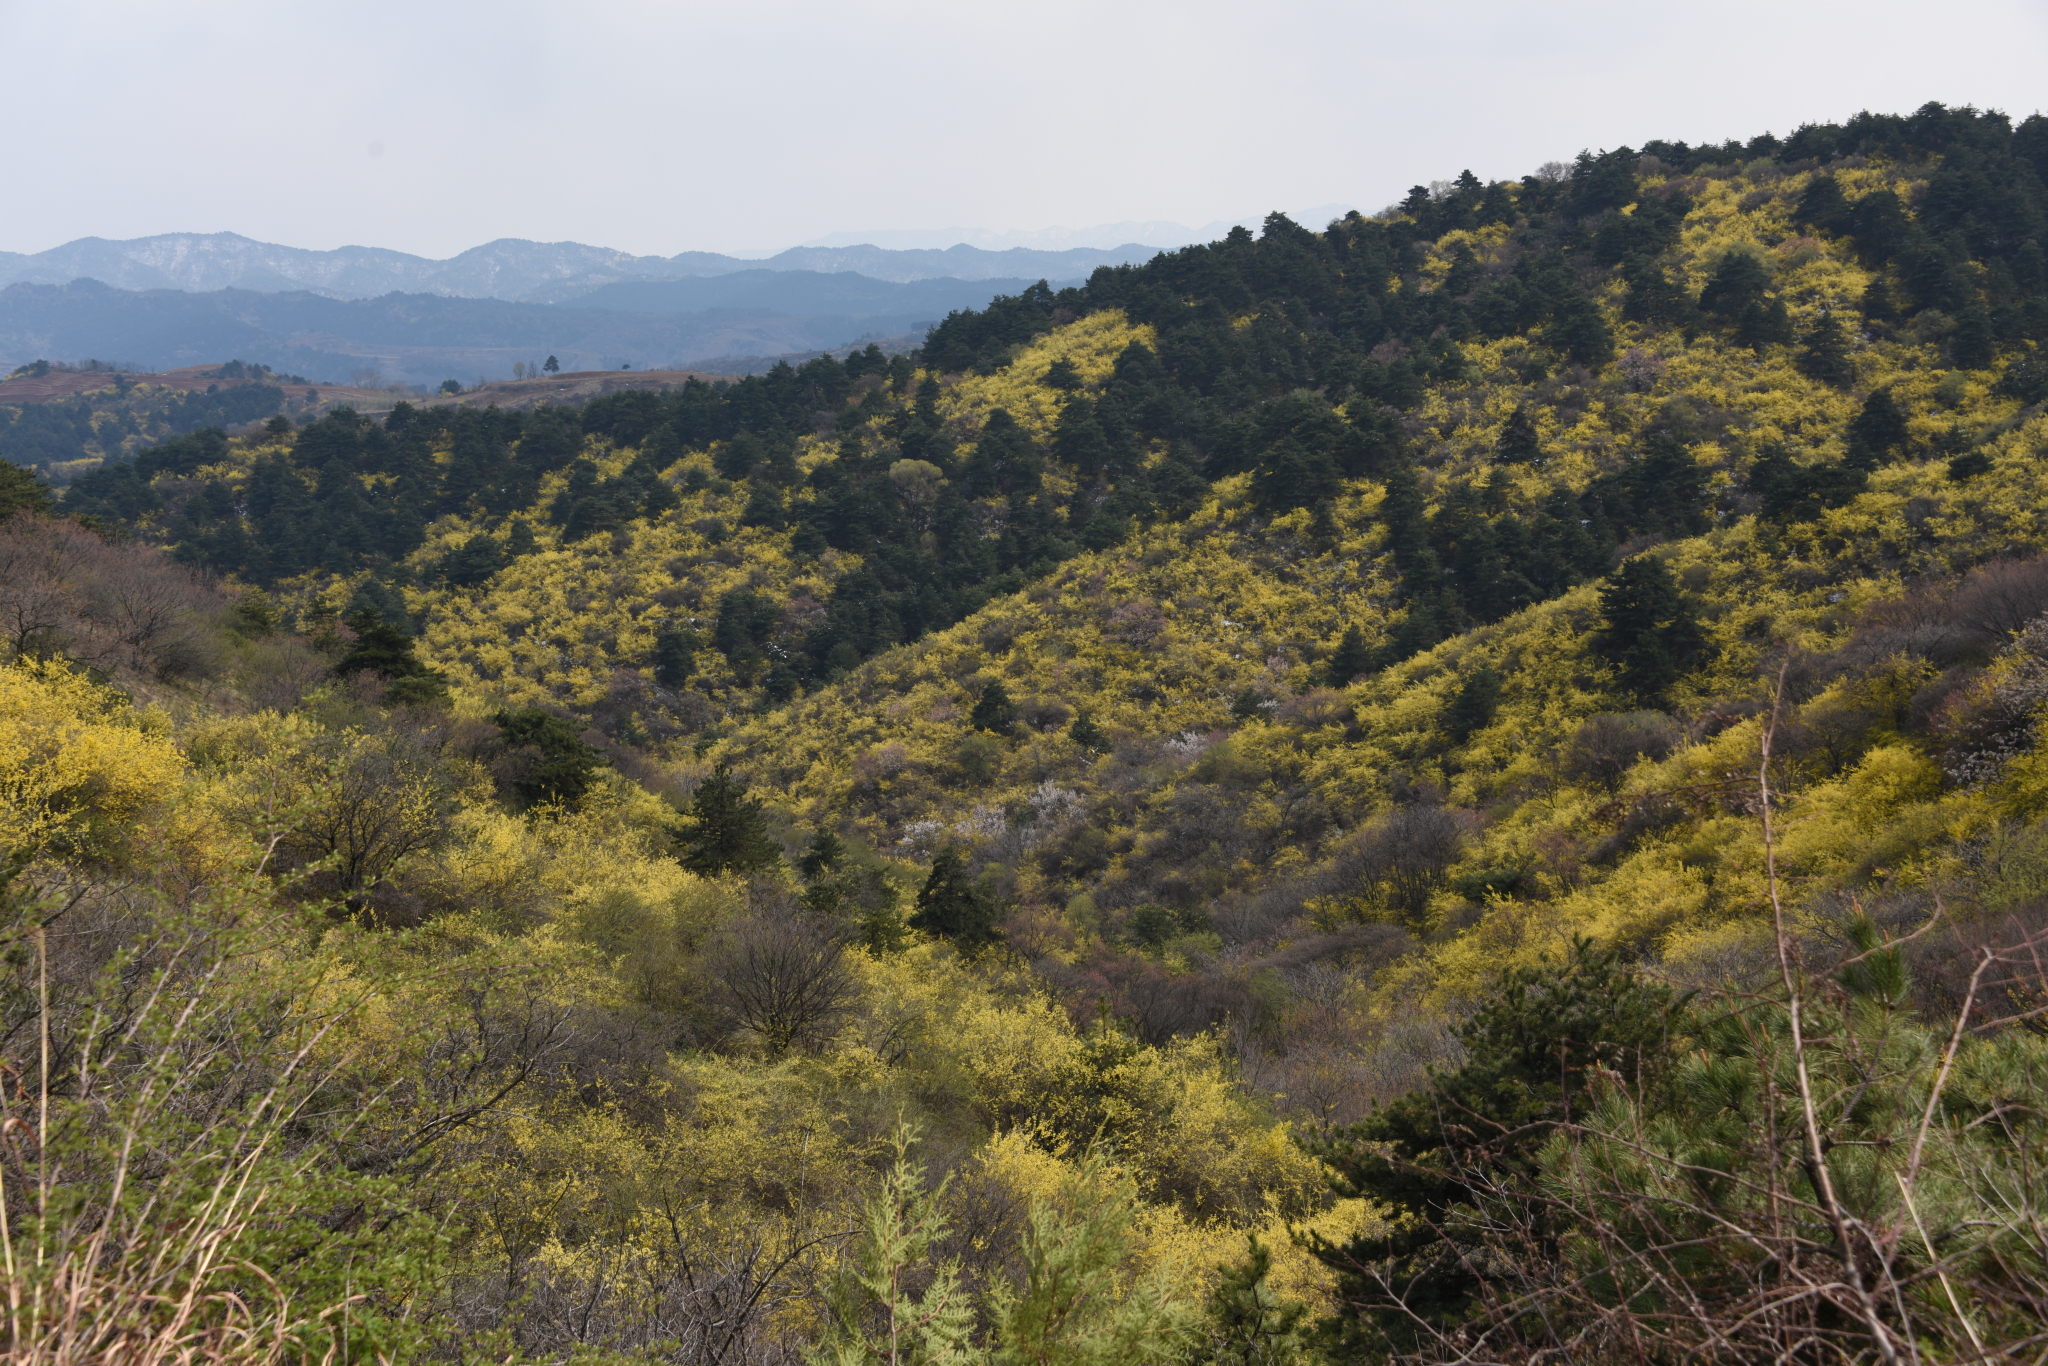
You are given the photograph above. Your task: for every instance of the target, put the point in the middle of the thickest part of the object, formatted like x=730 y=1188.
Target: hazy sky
x=436 y=125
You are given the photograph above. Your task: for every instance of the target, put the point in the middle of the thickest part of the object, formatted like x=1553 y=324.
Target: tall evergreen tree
x=820 y=856
x=1247 y=1323
x=382 y=649
x=1351 y=658
x=564 y=766
x=1879 y=430
x=1764 y=322
x=951 y=906
x=728 y=833
x=1470 y=1142
x=1971 y=344
x=1518 y=443
x=1822 y=206
x=1650 y=633
x=21 y=491
x=1472 y=709
x=1579 y=330
x=675 y=651
x=993 y=710
x=1824 y=355
x=1739 y=280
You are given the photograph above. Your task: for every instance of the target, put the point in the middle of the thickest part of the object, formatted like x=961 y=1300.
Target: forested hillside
x=1462 y=786
x=122 y=415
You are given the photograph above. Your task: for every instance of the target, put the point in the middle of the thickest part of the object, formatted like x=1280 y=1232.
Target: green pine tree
x=675 y=652
x=1351 y=658
x=1878 y=431
x=1972 y=342
x=821 y=856
x=1062 y=375
x=1517 y=443
x=951 y=906
x=765 y=507
x=1877 y=303
x=993 y=710
x=873 y=1319
x=253 y=615
x=1472 y=709
x=1249 y=1325
x=382 y=649
x=729 y=833
x=1472 y=1140
x=1822 y=205
x=21 y=491
x=1075 y=1303
x=1580 y=332
x=1739 y=280
x=1764 y=322
x=1967 y=466
x=564 y=768
x=1824 y=355
x=1650 y=633
x=1084 y=732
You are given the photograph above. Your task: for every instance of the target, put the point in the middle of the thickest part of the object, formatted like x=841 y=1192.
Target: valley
x=1459 y=784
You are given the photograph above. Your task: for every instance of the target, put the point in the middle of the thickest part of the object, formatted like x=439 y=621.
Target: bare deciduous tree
x=783 y=977
x=65 y=590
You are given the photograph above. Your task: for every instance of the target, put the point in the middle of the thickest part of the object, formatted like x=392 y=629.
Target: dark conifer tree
x=1824 y=355
x=1518 y=443
x=1822 y=206
x=737 y=458
x=1738 y=281
x=1472 y=709
x=820 y=856
x=382 y=649
x=1877 y=303
x=1580 y=332
x=1248 y=1324
x=563 y=768
x=21 y=491
x=1971 y=345
x=1248 y=705
x=1062 y=375
x=728 y=833
x=1650 y=633
x=675 y=651
x=1080 y=439
x=951 y=906
x=765 y=507
x=1084 y=732
x=1878 y=431
x=993 y=710
x=1291 y=476
x=1351 y=658
x=1764 y=322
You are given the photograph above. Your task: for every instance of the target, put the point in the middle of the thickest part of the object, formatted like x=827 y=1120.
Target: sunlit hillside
x=1465 y=785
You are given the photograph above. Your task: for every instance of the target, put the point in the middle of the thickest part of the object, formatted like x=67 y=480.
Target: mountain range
x=423 y=338
x=525 y=272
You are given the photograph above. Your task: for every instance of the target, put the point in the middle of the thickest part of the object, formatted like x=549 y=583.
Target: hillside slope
x=1506 y=734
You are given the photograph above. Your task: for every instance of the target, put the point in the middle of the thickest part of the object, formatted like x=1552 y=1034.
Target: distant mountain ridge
x=423 y=338
x=511 y=269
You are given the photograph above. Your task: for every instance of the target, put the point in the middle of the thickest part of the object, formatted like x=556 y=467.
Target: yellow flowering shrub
x=79 y=766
